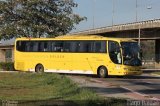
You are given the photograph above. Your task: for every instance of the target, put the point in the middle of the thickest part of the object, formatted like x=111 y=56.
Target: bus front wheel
x=39 y=68
x=102 y=72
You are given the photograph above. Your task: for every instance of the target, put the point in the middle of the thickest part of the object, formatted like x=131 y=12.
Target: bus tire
x=39 y=68
x=102 y=72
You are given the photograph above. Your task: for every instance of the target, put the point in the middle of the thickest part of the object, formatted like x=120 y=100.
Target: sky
x=100 y=13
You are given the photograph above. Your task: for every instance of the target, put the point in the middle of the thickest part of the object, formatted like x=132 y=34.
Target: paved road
x=144 y=87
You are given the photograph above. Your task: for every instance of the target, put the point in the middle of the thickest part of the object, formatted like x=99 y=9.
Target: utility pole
x=136 y=10
x=139 y=36
x=94 y=13
x=113 y=10
x=139 y=29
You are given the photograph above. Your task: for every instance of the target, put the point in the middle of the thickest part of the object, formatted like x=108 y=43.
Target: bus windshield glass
x=131 y=53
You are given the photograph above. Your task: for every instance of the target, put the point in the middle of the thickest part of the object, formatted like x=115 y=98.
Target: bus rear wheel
x=39 y=68
x=102 y=72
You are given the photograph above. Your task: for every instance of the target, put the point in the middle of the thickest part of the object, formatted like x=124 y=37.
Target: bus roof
x=78 y=37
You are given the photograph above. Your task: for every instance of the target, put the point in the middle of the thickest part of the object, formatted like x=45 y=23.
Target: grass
x=46 y=86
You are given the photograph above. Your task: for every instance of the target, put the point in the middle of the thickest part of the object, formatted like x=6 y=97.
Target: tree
x=37 y=18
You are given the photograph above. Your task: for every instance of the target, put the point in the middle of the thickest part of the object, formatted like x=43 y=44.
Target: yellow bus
x=78 y=54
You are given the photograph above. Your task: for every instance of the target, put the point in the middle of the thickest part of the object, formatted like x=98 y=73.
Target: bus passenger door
x=115 y=57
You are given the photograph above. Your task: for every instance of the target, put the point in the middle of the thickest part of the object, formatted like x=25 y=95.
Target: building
x=7 y=50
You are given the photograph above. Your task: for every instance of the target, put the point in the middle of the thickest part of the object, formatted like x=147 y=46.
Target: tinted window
x=31 y=46
x=34 y=46
x=85 y=46
x=74 y=46
x=20 y=46
x=67 y=46
x=57 y=46
x=114 y=52
x=44 y=46
x=70 y=46
x=100 y=47
x=62 y=46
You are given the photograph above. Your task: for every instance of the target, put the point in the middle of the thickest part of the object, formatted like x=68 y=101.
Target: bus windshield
x=131 y=53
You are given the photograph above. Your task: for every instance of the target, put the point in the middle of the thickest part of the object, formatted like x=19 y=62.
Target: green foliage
x=49 y=87
x=37 y=18
x=7 y=66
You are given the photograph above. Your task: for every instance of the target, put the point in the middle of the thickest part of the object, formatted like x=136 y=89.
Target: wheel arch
x=99 y=69
x=37 y=65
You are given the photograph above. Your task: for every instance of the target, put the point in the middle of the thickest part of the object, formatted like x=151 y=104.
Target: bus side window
x=49 y=47
x=97 y=47
x=81 y=47
x=58 y=47
x=20 y=46
x=35 y=46
x=41 y=46
x=85 y=46
x=53 y=46
x=103 y=47
x=100 y=47
x=46 y=46
x=27 y=47
x=67 y=46
x=74 y=46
